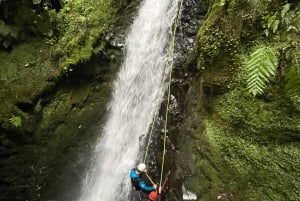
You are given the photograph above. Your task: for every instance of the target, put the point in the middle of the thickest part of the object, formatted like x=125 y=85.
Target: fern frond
x=285 y=9
x=292 y=84
x=260 y=67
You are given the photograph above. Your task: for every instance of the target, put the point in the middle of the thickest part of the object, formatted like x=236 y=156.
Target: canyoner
x=139 y=174
x=140 y=178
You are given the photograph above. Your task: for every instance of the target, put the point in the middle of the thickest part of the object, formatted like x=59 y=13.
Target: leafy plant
x=292 y=85
x=16 y=121
x=282 y=20
x=273 y=21
x=272 y=24
x=260 y=67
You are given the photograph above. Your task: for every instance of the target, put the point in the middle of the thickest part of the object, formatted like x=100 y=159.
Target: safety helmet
x=153 y=196
x=141 y=167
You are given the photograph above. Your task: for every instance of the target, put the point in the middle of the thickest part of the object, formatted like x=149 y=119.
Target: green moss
x=210 y=177
x=22 y=19
x=229 y=26
x=217 y=39
x=257 y=172
x=23 y=72
x=81 y=24
x=258 y=119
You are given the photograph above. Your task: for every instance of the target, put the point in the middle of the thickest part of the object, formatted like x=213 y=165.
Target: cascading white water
x=135 y=95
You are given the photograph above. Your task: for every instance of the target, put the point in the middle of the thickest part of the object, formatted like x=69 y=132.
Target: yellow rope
x=149 y=179
x=169 y=88
x=155 y=115
x=171 y=54
x=161 y=92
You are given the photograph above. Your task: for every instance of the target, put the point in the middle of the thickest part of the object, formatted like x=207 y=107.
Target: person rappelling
x=138 y=180
x=138 y=175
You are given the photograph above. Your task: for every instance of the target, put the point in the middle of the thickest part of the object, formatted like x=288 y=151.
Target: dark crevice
x=25 y=107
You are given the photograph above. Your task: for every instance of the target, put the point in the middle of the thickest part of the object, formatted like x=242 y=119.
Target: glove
x=159 y=189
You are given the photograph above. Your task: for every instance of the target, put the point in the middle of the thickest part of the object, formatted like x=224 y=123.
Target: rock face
x=178 y=160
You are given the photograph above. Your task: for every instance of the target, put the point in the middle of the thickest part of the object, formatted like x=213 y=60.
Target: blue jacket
x=139 y=183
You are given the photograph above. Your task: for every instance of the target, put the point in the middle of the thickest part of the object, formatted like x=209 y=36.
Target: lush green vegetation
x=258 y=171
x=80 y=24
x=72 y=28
x=58 y=38
x=251 y=143
x=26 y=63
x=40 y=99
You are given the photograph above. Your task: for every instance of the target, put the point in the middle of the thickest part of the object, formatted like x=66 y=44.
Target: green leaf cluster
x=16 y=121
x=284 y=19
x=260 y=68
x=292 y=85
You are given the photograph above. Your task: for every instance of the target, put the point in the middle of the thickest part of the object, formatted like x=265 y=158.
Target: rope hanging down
x=169 y=66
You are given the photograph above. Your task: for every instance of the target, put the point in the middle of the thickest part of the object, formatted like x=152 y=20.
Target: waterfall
x=136 y=93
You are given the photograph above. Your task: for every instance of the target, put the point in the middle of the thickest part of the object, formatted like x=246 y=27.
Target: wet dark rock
x=176 y=163
x=121 y=27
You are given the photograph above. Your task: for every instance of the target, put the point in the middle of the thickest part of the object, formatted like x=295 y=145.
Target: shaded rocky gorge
x=222 y=143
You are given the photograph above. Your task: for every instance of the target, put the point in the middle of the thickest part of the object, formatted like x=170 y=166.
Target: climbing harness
x=169 y=65
x=155 y=195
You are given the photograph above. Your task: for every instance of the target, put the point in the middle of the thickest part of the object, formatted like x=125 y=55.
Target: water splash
x=135 y=95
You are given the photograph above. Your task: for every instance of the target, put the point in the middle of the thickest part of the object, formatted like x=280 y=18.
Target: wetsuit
x=139 y=183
